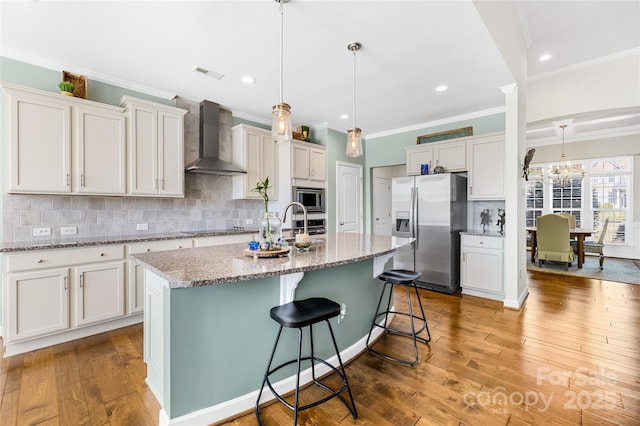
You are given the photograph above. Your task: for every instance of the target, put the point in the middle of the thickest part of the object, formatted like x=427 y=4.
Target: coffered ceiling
x=409 y=48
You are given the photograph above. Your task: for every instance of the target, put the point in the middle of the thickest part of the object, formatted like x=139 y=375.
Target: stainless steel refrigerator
x=433 y=210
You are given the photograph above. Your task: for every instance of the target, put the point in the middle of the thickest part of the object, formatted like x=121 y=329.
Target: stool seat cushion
x=399 y=276
x=301 y=313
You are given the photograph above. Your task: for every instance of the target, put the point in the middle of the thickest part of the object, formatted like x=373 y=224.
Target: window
x=606 y=183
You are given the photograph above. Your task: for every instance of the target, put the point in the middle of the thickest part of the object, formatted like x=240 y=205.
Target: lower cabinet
x=481 y=266
x=54 y=296
x=135 y=281
x=99 y=292
x=38 y=304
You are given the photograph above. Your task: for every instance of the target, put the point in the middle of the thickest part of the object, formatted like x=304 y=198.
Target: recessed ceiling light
x=344 y=116
x=441 y=88
x=544 y=57
x=247 y=79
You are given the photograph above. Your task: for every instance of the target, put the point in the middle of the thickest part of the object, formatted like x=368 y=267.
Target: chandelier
x=354 y=134
x=281 y=112
x=562 y=174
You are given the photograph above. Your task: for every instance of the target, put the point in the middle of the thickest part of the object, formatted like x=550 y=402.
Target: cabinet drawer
x=54 y=258
x=481 y=241
x=159 y=246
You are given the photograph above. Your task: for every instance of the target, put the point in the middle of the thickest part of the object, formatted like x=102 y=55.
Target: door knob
x=341 y=223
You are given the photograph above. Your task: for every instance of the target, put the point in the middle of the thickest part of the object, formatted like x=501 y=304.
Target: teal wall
x=24 y=74
x=389 y=150
x=221 y=336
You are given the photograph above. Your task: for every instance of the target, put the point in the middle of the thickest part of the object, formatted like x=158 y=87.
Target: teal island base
x=207 y=347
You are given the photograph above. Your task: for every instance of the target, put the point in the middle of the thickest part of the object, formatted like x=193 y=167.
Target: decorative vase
x=270 y=229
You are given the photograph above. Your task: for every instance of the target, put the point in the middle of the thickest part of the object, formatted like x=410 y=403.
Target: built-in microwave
x=312 y=198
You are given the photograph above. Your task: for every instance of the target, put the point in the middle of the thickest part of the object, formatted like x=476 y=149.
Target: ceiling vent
x=212 y=74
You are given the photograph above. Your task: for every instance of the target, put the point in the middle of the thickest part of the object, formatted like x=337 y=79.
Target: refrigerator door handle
x=414 y=214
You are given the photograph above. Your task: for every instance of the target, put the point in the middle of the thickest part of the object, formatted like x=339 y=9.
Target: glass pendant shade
x=354 y=142
x=281 y=122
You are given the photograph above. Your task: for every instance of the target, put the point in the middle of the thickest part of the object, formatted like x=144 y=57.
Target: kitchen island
x=207 y=330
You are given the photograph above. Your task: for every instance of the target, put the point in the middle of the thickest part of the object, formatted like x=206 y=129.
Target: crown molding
x=586 y=64
x=92 y=75
x=448 y=120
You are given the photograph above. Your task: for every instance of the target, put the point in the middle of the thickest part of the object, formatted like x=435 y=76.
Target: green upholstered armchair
x=553 y=240
x=597 y=246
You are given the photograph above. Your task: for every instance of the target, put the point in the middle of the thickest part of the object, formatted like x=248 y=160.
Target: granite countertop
x=227 y=263
x=495 y=234
x=44 y=244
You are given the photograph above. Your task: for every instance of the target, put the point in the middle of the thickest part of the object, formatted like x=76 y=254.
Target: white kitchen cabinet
x=486 y=168
x=58 y=295
x=135 y=279
x=99 y=292
x=99 y=151
x=37 y=305
x=418 y=155
x=450 y=155
x=256 y=152
x=481 y=266
x=156 y=145
x=62 y=145
x=308 y=163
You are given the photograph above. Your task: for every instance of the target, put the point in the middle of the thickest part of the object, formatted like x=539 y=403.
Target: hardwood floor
x=569 y=357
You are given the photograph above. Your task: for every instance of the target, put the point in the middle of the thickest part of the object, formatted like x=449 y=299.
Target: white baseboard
x=232 y=407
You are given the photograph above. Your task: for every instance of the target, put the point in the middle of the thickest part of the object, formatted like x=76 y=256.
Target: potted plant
x=66 y=88
x=270 y=222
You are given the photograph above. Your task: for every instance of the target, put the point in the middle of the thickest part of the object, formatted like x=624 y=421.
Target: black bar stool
x=407 y=279
x=299 y=314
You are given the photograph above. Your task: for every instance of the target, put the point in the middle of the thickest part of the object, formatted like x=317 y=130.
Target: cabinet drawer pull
x=40 y=261
x=101 y=254
x=148 y=250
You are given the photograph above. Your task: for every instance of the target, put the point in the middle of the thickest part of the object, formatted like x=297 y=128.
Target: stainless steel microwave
x=312 y=198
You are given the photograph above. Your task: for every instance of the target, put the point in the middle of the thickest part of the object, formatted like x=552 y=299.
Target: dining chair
x=597 y=246
x=553 y=240
x=572 y=219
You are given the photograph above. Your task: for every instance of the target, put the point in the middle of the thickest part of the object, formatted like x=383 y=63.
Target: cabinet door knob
x=148 y=250
x=101 y=254
x=40 y=261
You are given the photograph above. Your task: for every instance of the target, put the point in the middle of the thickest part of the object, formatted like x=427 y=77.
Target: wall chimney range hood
x=208 y=161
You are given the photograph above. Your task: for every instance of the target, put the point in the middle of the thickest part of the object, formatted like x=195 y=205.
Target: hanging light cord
x=281 y=46
x=354 y=88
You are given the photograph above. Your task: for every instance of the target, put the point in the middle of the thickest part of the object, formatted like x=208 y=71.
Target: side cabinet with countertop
x=481 y=266
x=62 y=145
x=255 y=151
x=156 y=148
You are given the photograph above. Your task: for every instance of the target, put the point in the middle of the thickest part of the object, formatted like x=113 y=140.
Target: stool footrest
x=332 y=392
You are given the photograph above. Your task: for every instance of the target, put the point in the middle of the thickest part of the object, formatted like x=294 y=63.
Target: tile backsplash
x=207 y=204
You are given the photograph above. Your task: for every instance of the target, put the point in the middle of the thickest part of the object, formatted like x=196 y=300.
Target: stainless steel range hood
x=208 y=161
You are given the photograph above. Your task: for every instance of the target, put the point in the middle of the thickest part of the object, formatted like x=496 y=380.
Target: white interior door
x=381 y=205
x=349 y=197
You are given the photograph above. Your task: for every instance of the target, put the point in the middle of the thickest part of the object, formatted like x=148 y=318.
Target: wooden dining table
x=578 y=233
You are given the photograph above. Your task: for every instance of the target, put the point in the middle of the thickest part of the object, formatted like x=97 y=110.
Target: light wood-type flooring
x=569 y=357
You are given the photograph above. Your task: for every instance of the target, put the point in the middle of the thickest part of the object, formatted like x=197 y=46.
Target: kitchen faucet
x=304 y=211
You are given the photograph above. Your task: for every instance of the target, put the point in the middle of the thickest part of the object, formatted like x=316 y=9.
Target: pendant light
x=281 y=112
x=354 y=134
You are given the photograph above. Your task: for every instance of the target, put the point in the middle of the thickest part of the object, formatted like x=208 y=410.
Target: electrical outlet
x=142 y=227
x=42 y=231
x=249 y=222
x=68 y=230
x=343 y=312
